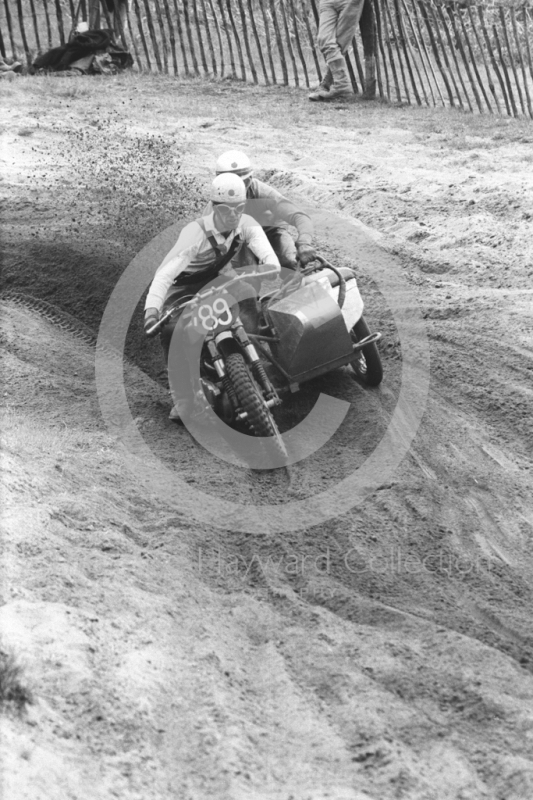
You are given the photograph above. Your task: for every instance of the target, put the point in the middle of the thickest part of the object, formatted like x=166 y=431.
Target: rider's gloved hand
x=151 y=317
x=306 y=253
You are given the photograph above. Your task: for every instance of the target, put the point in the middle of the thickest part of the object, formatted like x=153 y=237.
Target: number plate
x=209 y=315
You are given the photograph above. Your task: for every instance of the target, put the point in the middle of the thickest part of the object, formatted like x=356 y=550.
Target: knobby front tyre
x=259 y=416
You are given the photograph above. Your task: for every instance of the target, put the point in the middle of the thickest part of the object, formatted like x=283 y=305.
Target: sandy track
x=387 y=651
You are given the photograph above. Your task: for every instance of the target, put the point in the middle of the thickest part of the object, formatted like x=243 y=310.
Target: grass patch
x=14 y=693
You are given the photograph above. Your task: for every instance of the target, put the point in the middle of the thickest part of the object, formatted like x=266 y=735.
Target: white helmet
x=236 y=162
x=228 y=188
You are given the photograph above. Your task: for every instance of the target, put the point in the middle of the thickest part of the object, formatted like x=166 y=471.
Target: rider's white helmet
x=236 y=162
x=228 y=188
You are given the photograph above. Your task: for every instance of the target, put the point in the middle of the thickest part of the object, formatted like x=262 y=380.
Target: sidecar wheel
x=367 y=362
x=250 y=399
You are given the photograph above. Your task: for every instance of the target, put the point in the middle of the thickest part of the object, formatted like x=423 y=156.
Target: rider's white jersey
x=193 y=252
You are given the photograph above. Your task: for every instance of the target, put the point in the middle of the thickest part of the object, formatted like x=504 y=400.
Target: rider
x=204 y=248
x=272 y=209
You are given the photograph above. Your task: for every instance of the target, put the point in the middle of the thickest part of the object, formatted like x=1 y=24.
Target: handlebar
x=201 y=295
x=322 y=262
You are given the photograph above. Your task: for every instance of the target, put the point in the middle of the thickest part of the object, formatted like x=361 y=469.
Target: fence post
x=269 y=43
x=521 y=60
x=200 y=37
x=134 y=43
x=380 y=34
x=23 y=32
x=181 y=37
x=405 y=47
x=59 y=17
x=209 y=39
x=151 y=31
x=446 y=62
x=119 y=28
x=506 y=74
x=474 y=63
x=35 y=25
x=279 y=43
x=417 y=42
x=367 y=26
x=48 y=26
x=402 y=72
x=9 y=23
x=493 y=61
x=452 y=15
x=288 y=41
x=246 y=42
x=188 y=29
x=452 y=50
x=228 y=38
x=298 y=42
x=528 y=48
x=219 y=38
x=164 y=42
x=141 y=31
x=511 y=60
x=305 y=13
x=257 y=42
x=237 y=39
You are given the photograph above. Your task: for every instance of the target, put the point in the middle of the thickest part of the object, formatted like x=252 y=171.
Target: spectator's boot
x=323 y=87
x=342 y=86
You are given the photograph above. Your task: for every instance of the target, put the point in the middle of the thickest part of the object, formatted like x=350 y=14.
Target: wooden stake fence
x=474 y=55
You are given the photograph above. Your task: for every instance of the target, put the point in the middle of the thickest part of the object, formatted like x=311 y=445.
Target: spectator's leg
x=327 y=43
x=348 y=22
x=349 y=13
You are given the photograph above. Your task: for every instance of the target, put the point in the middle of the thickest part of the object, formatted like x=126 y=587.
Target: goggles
x=225 y=208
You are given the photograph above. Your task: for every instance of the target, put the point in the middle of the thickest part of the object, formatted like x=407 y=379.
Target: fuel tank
x=312 y=330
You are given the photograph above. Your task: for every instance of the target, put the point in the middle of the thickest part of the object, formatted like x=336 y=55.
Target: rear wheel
x=259 y=417
x=366 y=363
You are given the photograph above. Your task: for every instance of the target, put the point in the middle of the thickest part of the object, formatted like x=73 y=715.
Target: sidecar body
x=313 y=331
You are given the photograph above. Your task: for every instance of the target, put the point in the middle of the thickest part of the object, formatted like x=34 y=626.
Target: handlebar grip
x=154 y=329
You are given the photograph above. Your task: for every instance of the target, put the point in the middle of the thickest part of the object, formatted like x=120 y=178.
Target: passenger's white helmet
x=236 y=162
x=228 y=188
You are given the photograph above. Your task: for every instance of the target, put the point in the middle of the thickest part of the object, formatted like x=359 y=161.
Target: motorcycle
x=310 y=326
x=232 y=374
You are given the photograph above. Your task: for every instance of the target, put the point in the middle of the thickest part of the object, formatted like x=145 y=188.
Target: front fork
x=258 y=371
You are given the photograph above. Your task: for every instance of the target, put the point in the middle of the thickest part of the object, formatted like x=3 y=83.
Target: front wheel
x=259 y=416
x=366 y=363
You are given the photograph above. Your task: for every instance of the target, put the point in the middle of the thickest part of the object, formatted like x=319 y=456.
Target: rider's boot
x=188 y=408
x=323 y=87
x=180 y=408
x=342 y=86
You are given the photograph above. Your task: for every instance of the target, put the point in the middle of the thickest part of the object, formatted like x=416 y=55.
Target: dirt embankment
x=386 y=653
